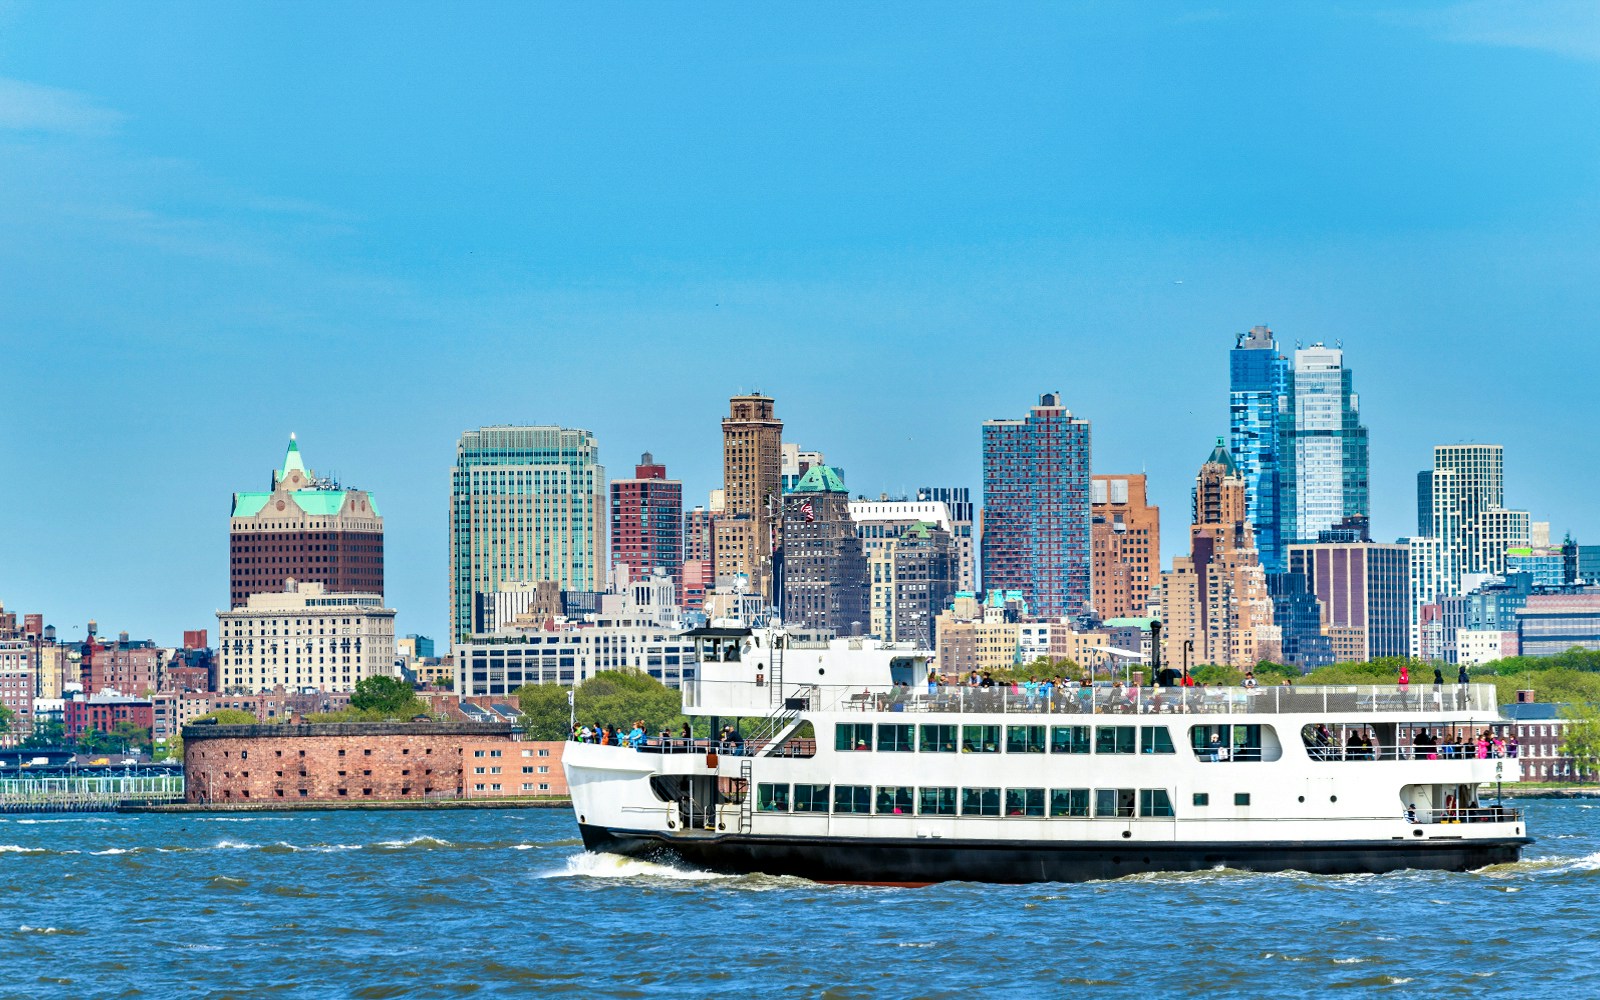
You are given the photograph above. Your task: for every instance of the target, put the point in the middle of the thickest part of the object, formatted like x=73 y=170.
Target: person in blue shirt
x=636 y=735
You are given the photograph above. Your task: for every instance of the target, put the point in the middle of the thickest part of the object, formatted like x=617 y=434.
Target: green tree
x=45 y=734
x=1582 y=742
x=380 y=697
x=6 y=716
x=616 y=697
x=227 y=717
x=130 y=737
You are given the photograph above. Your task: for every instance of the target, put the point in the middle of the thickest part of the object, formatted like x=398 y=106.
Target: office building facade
x=1323 y=447
x=825 y=585
x=304 y=637
x=963 y=530
x=527 y=505
x=1365 y=592
x=1258 y=379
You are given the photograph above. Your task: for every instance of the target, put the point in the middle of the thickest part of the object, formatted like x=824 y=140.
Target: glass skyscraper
x=1322 y=447
x=1258 y=387
x=1036 y=529
x=527 y=505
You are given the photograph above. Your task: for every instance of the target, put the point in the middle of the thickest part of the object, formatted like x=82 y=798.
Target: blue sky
x=378 y=225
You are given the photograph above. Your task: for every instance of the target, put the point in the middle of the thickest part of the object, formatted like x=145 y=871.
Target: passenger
x=1483 y=748
x=736 y=741
x=685 y=733
x=1215 y=747
x=1511 y=745
x=1499 y=746
x=636 y=735
x=1450 y=809
x=1249 y=681
x=1438 y=677
x=1411 y=812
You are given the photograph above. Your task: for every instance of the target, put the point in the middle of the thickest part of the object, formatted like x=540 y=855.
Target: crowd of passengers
x=1068 y=694
x=727 y=741
x=1362 y=744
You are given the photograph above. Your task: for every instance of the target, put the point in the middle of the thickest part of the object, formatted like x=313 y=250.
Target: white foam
x=236 y=845
x=591 y=865
x=114 y=850
x=415 y=842
x=19 y=849
x=25 y=929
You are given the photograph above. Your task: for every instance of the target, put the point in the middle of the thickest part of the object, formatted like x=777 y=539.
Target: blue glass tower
x=1258 y=393
x=1036 y=508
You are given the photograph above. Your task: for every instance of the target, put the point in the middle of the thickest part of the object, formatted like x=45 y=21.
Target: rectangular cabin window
x=1069 y=739
x=980 y=802
x=1024 y=739
x=1154 y=802
x=980 y=739
x=895 y=801
x=1113 y=739
x=1024 y=802
x=936 y=801
x=937 y=739
x=1202 y=798
x=1155 y=739
x=1241 y=798
x=1069 y=802
x=811 y=798
x=852 y=798
x=772 y=798
x=895 y=738
x=1114 y=803
x=852 y=736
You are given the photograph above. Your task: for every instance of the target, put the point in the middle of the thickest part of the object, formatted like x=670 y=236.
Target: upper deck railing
x=1103 y=700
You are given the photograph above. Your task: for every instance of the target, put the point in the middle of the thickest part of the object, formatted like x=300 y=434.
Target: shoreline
x=551 y=802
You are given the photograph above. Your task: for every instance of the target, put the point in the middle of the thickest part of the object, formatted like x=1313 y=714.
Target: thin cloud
x=30 y=107
x=1569 y=28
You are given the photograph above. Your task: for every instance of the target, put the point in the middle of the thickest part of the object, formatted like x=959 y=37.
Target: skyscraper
x=304 y=528
x=527 y=505
x=647 y=522
x=1215 y=600
x=1322 y=447
x=1126 y=536
x=744 y=534
x=1036 y=536
x=825 y=569
x=1258 y=377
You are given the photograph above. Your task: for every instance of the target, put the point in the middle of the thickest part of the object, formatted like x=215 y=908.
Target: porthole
x=581 y=817
x=1302 y=798
x=821 y=671
x=1333 y=798
x=1127 y=834
x=1416 y=833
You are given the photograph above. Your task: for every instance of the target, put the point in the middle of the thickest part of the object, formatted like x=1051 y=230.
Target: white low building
x=302 y=638
x=634 y=630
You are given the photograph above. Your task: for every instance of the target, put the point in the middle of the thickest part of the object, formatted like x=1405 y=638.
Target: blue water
x=506 y=903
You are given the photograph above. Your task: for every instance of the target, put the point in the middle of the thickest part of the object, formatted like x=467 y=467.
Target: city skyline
x=383 y=272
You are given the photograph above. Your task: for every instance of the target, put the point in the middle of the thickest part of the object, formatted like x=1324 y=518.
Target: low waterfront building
x=491 y=769
x=19 y=664
x=305 y=637
x=355 y=762
x=103 y=710
x=634 y=630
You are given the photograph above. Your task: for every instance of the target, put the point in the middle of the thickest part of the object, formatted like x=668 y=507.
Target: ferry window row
x=932 y=738
x=885 y=800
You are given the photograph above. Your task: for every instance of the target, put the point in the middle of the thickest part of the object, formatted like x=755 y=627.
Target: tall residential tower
x=1036 y=536
x=647 y=522
x=1258 y=378
x=745 y=533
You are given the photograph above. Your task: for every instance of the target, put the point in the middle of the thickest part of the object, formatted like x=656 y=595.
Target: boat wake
x=592 y=865
x=1544 y=866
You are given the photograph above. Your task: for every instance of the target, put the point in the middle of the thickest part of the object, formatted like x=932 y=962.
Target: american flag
x=807 y=510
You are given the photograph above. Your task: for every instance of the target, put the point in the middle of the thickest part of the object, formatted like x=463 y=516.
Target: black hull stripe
x=923 y=861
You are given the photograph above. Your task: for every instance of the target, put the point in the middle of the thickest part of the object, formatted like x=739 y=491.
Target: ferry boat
x=851 y=767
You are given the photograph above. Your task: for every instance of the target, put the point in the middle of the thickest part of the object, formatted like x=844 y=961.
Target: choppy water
x=445 y=904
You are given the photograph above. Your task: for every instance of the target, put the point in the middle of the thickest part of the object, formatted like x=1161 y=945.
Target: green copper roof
x=316 y=503
x=292 y=461
x=1220 y=456
x=821 y=479
x=249 y=504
